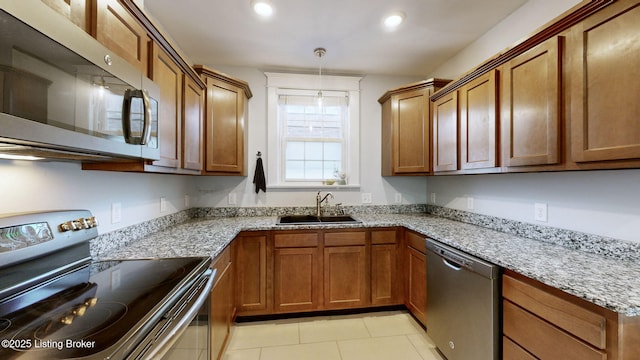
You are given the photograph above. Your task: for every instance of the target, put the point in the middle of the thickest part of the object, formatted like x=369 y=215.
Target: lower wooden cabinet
x=251 y=274
x=386 y=287
x=415 y=297
x=541 y=322
x=297 y=284
x=222 y=305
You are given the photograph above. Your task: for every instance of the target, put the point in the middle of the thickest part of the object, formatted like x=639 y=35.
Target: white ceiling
x=228 y=33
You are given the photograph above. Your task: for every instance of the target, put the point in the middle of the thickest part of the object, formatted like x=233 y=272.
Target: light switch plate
x=470 y=203
x=232 y=200
x=163 y=204
x=398 y=198
x=116 y=213
x=366 y=198
x=540 y=212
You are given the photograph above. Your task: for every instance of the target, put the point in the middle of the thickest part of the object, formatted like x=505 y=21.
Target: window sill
x=313 y=187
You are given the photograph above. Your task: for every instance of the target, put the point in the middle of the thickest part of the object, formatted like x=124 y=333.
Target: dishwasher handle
x=452 y=265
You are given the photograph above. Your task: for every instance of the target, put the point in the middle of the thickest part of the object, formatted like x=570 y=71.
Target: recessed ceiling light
x=394 y=19
x=262 y=7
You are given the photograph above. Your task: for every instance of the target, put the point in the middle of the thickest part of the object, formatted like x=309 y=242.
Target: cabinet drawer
x=570 y=317
x=383 y=237
x=296 y=240
x=345 y=238
x=542 y=339
x=417 y=242
x=513 y=351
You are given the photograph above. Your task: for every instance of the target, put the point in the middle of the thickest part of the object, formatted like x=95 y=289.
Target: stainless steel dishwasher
x=463 y=317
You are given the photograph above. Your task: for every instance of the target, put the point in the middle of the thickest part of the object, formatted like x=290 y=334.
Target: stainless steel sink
x=312 y=219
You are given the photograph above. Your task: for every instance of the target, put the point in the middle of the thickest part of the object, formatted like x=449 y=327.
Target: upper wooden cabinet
x=225 y=128
x=192 y=126
x=406 y=145
x=605 y=83
x=445 y=133
x=531 y=106
x=116 y=28
x=478 y=122
x=74 y=10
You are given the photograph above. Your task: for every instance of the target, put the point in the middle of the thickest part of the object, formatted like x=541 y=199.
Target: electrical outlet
x=163 y=204
x=433 y=198
x=540 y=212
x=366 y=198
x=187 y=201
x=470 y=203
x=232 y=200
x=398 y=198
x=116 y=213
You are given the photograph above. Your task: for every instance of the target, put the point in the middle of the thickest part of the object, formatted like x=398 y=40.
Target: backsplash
x=601 y=245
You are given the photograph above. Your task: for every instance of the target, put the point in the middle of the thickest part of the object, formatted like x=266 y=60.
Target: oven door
x=182 y=332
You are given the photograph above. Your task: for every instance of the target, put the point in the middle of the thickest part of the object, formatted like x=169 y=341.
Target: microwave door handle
x=146 y=133
x=126 y=116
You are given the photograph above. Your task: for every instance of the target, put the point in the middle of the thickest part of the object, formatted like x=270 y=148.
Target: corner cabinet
x=225 y=123
x=406 y=132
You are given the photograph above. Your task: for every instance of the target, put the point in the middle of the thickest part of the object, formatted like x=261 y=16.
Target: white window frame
x=278 y=83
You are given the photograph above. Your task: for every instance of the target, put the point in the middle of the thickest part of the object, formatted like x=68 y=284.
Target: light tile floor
x=389 y=335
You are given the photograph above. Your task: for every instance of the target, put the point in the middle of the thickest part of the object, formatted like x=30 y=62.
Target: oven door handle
x=164 y=343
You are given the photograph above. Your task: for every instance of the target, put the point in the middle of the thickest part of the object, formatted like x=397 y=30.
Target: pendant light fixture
x=320 y=52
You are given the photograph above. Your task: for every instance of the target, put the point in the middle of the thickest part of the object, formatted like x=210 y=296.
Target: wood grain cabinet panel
x=252 y=289
x=445 y=133
x=114 y=27
x=532 y=107
x=74 y=10
x=478 y=122
x=192 y=126
x=345 y=277
x=415 y=297
x=384 y=275
x=605 y=68
x=297 y=279
x=169 y=78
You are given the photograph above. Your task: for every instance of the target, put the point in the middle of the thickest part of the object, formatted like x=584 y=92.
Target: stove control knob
x=90 y=302
x=67 y=319
x=68 y=226
x=81 y=223
x=92 y=222
x=80 y=310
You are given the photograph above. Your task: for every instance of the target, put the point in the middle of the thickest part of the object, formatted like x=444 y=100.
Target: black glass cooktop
x=90 y=310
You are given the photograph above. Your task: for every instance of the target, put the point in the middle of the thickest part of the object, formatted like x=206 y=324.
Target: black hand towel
x=258 y=177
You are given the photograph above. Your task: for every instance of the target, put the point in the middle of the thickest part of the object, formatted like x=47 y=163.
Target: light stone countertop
x=603 y=280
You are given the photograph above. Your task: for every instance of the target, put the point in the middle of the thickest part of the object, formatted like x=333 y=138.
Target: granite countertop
x=603 y=280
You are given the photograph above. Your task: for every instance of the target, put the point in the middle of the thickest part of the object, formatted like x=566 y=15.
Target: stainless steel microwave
x=65 y=96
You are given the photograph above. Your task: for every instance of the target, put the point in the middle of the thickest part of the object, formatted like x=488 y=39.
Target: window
x=312 y=140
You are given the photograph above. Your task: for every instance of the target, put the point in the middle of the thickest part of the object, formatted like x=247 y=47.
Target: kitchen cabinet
x=531 y=106
x=546 y=323
x=478 y=122
x=445 y=133
x=386 y=287
x=74 y=10
x=297 y=272
x=346 y=274
x=253 y=281
x=415 y=296
x=605 y=68
x=225 y=129
x=406 y=146
x=222 y=303
x=192 y=125
x=117 y=29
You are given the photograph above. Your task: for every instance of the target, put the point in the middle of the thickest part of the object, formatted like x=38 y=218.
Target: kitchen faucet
x=320 y=200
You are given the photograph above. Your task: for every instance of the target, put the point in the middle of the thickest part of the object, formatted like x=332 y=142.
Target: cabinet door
x=478 y=122
x=169 y=78
x=251 y=275
x=297 y=285
x=192 y=125
x=605 y=68
x=384 y=275
x=74 y=10
x=411 y=132
x=445 y=133
x=416 y=293
x=114 y=27
x=224 y=128
x=531 y=106
x=345 y=277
